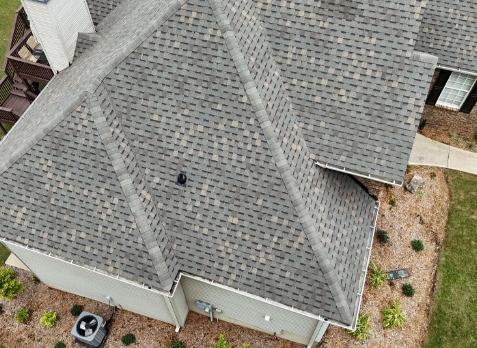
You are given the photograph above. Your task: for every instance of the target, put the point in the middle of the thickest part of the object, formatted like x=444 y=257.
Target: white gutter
x=369 y=176
x=365 y=270
x=31 y=105
x=456 y=70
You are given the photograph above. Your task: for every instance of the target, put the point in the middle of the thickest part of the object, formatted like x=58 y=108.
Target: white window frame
x=453 y=106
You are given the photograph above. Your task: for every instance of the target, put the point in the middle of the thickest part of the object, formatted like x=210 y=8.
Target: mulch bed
x=415 y=216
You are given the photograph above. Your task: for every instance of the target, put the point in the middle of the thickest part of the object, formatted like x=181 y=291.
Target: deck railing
x=27 y=69
x=20 y=26
x=6 y=86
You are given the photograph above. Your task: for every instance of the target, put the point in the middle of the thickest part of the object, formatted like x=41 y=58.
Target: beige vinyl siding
x=72 y=278
x=246 y=311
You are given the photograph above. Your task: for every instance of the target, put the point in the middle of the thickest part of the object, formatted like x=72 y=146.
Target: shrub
x=48 y=319
x=22 y=315
x=393 y=316
x=363 y=327
x=221 y=342
x=382 y=236
x=471 y=146
x=388 y=186
x=177 y=344
x=76 y=310
x=128 y=339
x=422 y=124
x=9 y=286
x=432 y=175
x=392 y=201
x=60 y=345
x=377 y=276
x=409 y=168
x=245 y=345
x=417 y=245
x=408 y=290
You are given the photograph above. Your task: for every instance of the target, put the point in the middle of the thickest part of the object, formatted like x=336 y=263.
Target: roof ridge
x=281 y=162
x=134 y=187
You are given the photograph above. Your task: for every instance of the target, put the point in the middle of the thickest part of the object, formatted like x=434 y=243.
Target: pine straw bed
x=403 y=224
x=413 y=217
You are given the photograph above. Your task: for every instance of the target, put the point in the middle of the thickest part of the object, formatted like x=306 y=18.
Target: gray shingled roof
x=448 y=31
x=192 y=87
x=99 y=9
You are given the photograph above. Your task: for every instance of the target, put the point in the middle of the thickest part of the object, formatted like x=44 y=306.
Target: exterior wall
x=56 y=25
x=179 y=305
x=72 y=278
x=248 y=312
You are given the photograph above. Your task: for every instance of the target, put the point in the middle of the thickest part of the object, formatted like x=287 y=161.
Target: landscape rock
x=416 y=184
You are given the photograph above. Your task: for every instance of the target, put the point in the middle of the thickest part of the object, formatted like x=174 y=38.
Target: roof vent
x=182 y=179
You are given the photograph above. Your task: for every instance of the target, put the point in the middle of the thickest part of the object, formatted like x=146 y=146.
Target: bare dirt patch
x=198 y=332
x=415 y=216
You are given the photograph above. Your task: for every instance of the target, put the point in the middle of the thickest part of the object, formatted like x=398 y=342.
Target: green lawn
x=454 y=316
x=7 y=12
x=4 y=253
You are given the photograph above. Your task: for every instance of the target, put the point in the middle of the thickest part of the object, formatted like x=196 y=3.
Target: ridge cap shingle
x=281 y=162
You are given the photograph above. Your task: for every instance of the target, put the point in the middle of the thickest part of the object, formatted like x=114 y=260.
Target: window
x=456 y=90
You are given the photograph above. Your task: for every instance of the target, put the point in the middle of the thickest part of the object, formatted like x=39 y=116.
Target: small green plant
x=382 y=236
x=432 y=175
x=76 y=310
x=177 y=344
x=409 y=168
x=392 y=201
x=453 y=136
x=422 y=124
x=377 y=276
x=22 y=315
x=408 y=290
x=128 y=339
x=9 y=286
x=417 y=245
x=388 y=186
x=245 y=345
x=422 y=194
x=363 y=327
x=471 y=146
x=60 y=345
x=48 y=319
x=393 y=316
x=221 y=342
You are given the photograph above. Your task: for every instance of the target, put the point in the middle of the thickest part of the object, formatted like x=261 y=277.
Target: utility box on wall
x=55 y=25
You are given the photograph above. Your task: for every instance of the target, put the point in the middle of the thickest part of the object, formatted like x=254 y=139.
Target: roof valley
x=284 y=168
x=134 y=187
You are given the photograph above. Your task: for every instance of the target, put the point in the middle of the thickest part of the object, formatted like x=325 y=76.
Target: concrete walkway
x=428 y=152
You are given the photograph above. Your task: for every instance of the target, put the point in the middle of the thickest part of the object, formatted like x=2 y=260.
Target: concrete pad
x=463 y=161
x=16 y=262
x=428 y=152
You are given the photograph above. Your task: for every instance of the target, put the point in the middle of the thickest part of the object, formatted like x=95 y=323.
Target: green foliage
x=388 y=186
x=392 y=201
x=408 y=290
x=9 y=286
x=60 y=345
x=363 y=327
x=453 y=136
x=177 y=344
x=382 y=236
x=393 y=316
x=48 y=319
x=128 y=339
x=245 y=345
x=22 y=315
x=422 y=124
x=432 y=175
x=422 y=194
x=409 y=168
x=4 y=252
x=471 y=146
x=417 y=245
x=76 y=310
x=377 y=276
x=221 y=342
